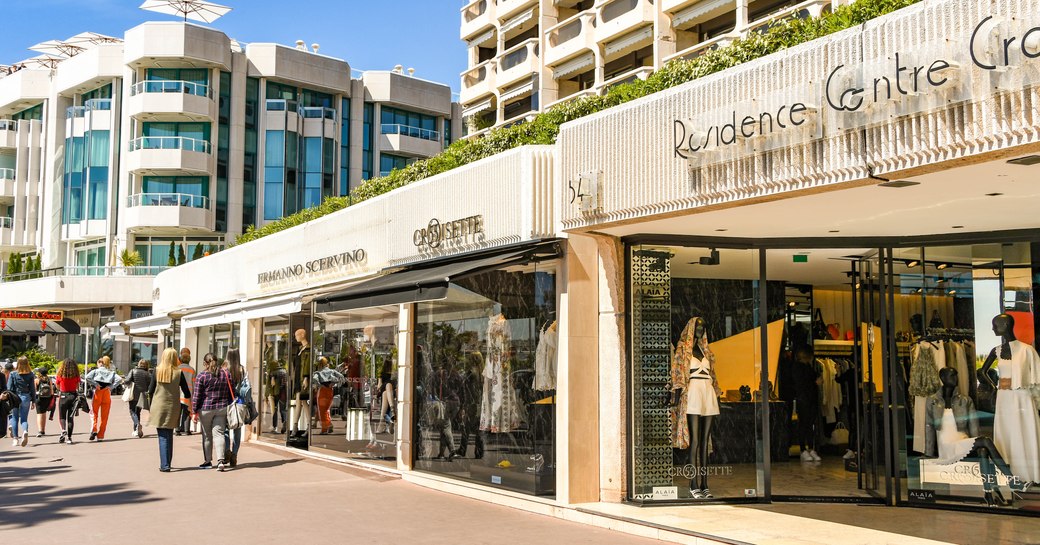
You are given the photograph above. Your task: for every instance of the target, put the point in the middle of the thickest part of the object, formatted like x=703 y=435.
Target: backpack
x=45 y=388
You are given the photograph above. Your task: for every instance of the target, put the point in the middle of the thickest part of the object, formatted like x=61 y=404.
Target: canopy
x=65 y=326
x=70 y=47
x=196 y=10
x=244 y=310
x=429 y=282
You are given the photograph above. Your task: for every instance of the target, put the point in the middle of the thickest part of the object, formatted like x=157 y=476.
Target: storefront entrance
x=798 y=371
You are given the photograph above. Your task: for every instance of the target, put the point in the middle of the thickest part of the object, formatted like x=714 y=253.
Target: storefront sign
x=962 y=473
x=319 y=267
x=921 y=496
x=460 y=231
x=15 y=314
x=872 y=91
x=689 y=471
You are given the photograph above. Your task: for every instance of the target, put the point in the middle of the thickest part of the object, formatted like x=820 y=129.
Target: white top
x=698 y=366
x=1023 y=368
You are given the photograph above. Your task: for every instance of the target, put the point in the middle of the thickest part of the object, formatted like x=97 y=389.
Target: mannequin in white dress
x=695 y=397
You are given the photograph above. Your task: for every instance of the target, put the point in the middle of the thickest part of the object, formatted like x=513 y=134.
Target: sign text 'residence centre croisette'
x=890 y=84
x=316 y=267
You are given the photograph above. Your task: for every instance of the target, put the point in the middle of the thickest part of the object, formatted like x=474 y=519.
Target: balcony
x=697 y=50
x=411 y=141
x=6 y=232
x=315 y=112
x=618 y=17
x=73 y=286
x=671 y=6
x=518 y=62
x=477 y=16
x=7 y=183
x=640 y=73
x=478 y=81
x=186 y=42
x=166 y=153
x=804 y=10
x=570 y=38
x=169 y=212
x=92 y=105
x=171 y=101
x=507 y=8
x=8 y=133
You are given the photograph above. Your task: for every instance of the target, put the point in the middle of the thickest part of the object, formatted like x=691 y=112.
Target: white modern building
x=172 y=141
x=527 y=55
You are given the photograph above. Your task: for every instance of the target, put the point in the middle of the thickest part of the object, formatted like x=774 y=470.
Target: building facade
x=173 y=141
x=527 y=55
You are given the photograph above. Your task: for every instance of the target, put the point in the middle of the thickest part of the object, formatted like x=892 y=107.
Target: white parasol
x=42 y=61
x=72 y=46
x=196 y=10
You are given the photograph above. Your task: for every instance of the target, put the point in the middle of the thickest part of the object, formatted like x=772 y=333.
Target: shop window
x=485 y=380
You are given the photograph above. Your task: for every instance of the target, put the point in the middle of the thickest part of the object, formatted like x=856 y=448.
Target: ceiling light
x=912 y=263
x=791 y=304
x=1028 y=160
x=721 y=230
x=918 y=290
x=957 y=227
x=993 y=194
x=951 y=292
x=940 y=281
x=941 y=266
x=898 y=184
x=834 y=231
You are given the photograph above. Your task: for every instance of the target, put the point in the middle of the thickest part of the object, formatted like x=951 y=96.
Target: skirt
x=1016 y=433
x=701 y=399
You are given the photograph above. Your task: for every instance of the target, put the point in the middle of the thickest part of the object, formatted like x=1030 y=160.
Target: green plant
x=40 y=358
x=545 y=127
x=171 y=260
x=197 y=253
x=181 y=256
x=130 y=258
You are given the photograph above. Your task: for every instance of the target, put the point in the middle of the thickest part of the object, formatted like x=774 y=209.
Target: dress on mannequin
x=500 y=407
x=695 y=401
x=1016 y=424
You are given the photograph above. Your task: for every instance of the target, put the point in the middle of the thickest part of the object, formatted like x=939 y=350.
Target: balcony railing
x=98 y=104
x=7 y=173
x=407 y=130
x=280 y=105
x=171 y=86
x=804 y=10
x=8 y=125
x=86 y=270
x=6 y=222
x=75 y=112
x=170 y=142
x=567 y=30
x=315 y=112
x=186 y=200
x=518 y=54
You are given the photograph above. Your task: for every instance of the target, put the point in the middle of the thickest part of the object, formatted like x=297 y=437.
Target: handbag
x=819 y=328
x=840 y=434
x=236 y=411
x=130 y=392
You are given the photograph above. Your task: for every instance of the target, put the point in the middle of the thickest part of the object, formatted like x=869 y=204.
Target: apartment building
x=527 y=55
x=171 y=141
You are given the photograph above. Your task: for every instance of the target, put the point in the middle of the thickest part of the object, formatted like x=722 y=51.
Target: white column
x=405 y=385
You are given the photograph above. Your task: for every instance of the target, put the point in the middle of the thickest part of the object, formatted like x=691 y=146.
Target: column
x=405 y=385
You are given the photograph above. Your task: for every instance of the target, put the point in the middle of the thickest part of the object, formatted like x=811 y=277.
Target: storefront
x=818 y=273
x=423 y=341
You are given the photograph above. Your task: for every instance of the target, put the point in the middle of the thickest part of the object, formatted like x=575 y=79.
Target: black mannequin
x=984 y=449
x=699 y=425
x=1003 y=327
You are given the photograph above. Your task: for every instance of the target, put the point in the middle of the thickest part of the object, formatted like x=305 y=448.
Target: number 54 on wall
x=584 y=191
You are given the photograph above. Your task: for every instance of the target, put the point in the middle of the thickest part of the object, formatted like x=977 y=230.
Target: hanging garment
x=924 y=383
x=1016 y=424
x=830 y=390
x=545 y=359
x=680 y=377
x=963 y=420
x=500 y=407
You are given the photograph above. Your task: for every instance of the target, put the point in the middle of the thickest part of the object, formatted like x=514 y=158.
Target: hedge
x=544 y=127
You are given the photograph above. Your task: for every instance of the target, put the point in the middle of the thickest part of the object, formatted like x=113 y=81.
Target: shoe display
x=706 y=494
x=695 y=493
x=815 y=457
x=806 y=457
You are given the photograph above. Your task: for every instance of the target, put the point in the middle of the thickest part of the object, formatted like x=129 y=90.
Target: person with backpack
x=45 y=400
x=139 y=379
x=22 y=384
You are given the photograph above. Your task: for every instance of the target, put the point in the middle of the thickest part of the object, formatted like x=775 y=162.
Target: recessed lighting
x=940 y=281
x=912 y=263
x=942 y=266
x=721 y=230
x=952 y=292
x=897 y=184
x=1028 y=160
x=957 y=227
x=993 y=194
x=918 y=290
x=834 y=231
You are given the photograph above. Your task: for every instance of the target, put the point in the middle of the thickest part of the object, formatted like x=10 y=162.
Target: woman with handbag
x=238 y=383
x=209 y=403
x=45 y=400
x=165 y=410
x=68 y=380
x=137 y=384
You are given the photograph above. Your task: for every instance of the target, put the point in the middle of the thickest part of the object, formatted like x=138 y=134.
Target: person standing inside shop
x=807 y=378
x=164 y=413
x=68 y=381
x=209 y=404
x=102 y=378
x=45 y=400
x=189 y=374
x=22 y=384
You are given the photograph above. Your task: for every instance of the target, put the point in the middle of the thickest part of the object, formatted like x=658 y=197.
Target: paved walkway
x=112 y=492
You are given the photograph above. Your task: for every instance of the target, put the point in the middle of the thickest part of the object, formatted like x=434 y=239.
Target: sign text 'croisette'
x=462 y=230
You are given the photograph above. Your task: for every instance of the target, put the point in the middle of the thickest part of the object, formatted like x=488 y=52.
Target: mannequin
x=301 y=379
x=695 y=391
x=953 y=429
x=1016 y=424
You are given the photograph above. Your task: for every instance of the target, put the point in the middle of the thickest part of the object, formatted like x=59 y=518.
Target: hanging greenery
x=545 y=127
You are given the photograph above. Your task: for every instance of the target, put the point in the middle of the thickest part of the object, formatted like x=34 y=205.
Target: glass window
x=344 y=152
x=696 y=373
x=485 y=380
x=366 y=142
x=278 y=91
x=274 y=154
x=249 y=164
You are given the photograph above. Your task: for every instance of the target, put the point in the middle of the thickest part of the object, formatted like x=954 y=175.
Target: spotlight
x=951 y=292
x=941 y=266
x=912 y=263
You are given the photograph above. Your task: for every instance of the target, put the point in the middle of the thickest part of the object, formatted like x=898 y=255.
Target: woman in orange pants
x=103 y=377
x=326 y=379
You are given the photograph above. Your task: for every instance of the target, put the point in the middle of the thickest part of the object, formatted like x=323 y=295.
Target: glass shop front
x=887 y=373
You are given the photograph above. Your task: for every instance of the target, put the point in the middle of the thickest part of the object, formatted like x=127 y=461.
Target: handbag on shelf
x=819 y=328
x=834 y=331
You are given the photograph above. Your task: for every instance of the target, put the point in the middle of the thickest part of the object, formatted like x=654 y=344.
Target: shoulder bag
x=130 y=392
x=237 y=413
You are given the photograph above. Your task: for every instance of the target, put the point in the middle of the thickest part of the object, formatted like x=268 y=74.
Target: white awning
x=477 y=108
x=701 y=11
x=518 y=91
x=518 y=20
x=480 y=39
x=573 y=66
x=243 y=310
x=630 y=41
x=148 y=324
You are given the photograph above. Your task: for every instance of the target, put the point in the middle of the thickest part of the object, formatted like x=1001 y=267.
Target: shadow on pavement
x=263 y=465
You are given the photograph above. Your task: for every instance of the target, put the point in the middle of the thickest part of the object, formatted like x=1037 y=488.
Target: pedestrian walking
x=140 y=380
x=102 y=378
x=327 y=380
x=22 y=384
x=5 y=379
x=164 y=413
x=9 y=403
x=68 y=381
x=189 y=373
x=209 y=403
x=239 y=383
x=46 y=400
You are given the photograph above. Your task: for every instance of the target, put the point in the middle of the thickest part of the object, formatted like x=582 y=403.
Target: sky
x=368 y=34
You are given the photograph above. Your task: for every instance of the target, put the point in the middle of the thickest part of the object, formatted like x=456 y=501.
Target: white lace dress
x=500 y=408
x=1016 y=424
x=954 y=445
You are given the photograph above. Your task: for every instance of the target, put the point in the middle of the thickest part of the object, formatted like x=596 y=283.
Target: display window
x=354 y=383
x=485 y=379
x=274 y=384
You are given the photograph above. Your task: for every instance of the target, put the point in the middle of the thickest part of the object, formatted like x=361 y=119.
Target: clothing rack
x=949 y=333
